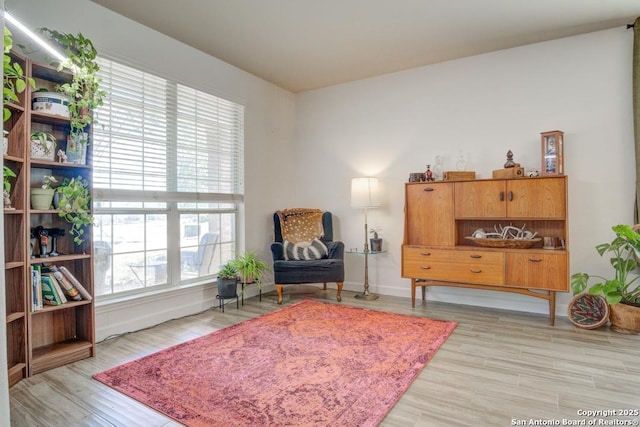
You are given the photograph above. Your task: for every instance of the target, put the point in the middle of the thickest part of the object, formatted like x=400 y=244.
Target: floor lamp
x=364 y=195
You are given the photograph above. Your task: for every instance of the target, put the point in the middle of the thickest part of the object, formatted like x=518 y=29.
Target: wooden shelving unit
x=440 y=215
x=56 y=335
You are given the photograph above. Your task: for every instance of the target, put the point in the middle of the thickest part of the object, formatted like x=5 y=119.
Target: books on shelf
x=50 y=295
x=81 y=289
x=56 y=285
x=66 y=285
x=36 y=289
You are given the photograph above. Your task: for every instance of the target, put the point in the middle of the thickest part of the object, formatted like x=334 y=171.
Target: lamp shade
x=364 y=193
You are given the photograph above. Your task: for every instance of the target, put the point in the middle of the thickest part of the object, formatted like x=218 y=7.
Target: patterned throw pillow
x=305 y=251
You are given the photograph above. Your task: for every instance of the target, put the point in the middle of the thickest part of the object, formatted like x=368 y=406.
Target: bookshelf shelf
x=38 y=340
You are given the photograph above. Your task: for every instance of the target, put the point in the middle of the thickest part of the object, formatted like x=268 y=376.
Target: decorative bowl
x=504 y=243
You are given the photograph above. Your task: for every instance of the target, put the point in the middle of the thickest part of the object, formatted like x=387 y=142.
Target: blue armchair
x=324 y=267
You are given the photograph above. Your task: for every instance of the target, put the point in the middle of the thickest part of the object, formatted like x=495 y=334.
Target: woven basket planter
x=625 y=318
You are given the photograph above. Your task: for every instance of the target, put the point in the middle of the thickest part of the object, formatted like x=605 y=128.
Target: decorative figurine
x=510 y=163
x=429 y=174
x=62 y=156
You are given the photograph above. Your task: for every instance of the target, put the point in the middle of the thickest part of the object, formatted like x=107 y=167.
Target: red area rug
x=309 y=364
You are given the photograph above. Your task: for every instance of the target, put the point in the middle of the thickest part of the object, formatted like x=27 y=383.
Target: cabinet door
x=536 y=270
x=429 y=214
x=536 y=198
x=480 y=199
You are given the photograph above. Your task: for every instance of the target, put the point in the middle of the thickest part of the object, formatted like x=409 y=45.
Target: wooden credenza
x=439 y=215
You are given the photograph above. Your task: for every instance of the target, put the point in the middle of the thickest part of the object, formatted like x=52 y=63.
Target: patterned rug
x=308 y=364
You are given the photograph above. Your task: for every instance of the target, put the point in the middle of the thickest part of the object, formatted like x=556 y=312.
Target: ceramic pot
x=41 y=198
x=227 y=288
x=625 y=318
x=376 y=245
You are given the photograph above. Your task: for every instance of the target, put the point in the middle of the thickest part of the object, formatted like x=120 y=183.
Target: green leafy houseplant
x=250 y=268
x=228 y=271
x=623 y=286
x=7 y=173
x=13 y=79
x=46 y=141
x=228 y=281
x=84 y=90
x=74 y=205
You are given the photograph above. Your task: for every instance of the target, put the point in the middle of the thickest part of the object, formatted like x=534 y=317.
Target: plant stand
x=222 y=299
x=242 y=291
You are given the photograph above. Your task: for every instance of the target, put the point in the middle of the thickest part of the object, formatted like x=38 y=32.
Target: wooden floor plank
x=498 y=366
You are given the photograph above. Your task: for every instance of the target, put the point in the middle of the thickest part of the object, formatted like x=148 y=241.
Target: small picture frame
x=552 y=153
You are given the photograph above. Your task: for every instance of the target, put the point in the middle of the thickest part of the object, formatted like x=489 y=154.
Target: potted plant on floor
x=227 y=281
x=74 y=205
x=622 y=291
x=250 y=268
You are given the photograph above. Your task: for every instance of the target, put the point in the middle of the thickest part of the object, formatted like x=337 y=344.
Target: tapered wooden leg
x=413 y=293
x=552 y=308
x=424 y=293
x=325 y=286
x=279 y=290
x=340 y=284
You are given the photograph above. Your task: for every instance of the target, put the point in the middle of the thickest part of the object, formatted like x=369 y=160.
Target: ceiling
x=301 y=45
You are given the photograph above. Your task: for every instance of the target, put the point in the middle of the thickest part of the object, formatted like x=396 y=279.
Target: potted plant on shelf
x=42 y=197
x=6 y=190
x=13 y=79
x=74 y=205
x=43 y=145
x=622 y=291
x=227 y=281
x=83 y=91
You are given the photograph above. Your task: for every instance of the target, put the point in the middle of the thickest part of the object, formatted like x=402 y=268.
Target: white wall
x=269 y=125
x=485 y=105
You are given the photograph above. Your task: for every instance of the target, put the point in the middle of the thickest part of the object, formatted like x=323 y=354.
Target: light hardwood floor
x=498 y=368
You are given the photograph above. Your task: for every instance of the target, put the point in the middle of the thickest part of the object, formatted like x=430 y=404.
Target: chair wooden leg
x=279 y=290
x=340 y=284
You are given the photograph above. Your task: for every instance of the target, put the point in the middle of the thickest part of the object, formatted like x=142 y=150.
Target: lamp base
x=367 y=297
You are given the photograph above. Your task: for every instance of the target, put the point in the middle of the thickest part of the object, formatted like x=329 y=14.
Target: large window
x=168 y=169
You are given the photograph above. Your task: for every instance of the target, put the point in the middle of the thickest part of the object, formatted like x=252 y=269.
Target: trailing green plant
x=228 y=271
x=48 y=181
x=250 y=268
x=74 y=205
x=46 y=140
x=623 y=286
x=13 y=78
x=84 y=90
x=7 y=173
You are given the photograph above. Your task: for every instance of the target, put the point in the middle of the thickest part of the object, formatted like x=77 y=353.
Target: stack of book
x=55 y=285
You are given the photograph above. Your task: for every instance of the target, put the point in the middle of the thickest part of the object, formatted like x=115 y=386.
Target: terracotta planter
x=625 y=318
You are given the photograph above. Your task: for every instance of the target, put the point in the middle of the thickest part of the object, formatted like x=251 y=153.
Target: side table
x=366 y=295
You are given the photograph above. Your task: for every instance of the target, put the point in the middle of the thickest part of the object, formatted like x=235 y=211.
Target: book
x=57 y=287
x=49 y=294
x=83 y=291
x=36 y=289
x=68 y=288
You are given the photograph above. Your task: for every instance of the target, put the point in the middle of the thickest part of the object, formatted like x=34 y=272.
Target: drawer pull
x=535 y=259
x=425 y=267
x=428 y=189
x=425 y=253
x=475 y=271
x=476 y=256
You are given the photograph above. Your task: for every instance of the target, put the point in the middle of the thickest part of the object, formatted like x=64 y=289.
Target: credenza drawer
x=473 y=266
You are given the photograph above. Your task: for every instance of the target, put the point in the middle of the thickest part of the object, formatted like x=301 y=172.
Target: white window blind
x=157 y=140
